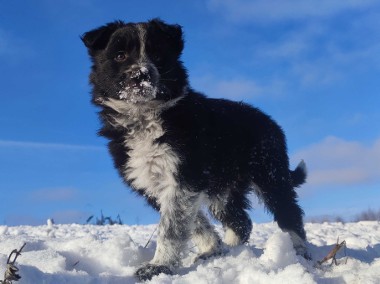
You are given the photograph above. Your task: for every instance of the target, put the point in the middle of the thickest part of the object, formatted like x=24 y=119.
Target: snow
x=110 y=254
x=143 y=87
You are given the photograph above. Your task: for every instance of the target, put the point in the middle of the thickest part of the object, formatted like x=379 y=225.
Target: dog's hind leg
x=281 y=200
x=206 y=238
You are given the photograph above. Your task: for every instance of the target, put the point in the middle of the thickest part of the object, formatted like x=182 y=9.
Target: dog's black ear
x=172 y=33
x=97 y=39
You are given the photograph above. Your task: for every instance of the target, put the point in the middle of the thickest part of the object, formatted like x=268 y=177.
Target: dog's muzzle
x=139 y=83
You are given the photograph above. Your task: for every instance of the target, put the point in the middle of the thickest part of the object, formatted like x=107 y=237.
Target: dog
x=183 y=151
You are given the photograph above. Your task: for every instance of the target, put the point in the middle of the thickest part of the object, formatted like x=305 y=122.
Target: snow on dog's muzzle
x=139 y=84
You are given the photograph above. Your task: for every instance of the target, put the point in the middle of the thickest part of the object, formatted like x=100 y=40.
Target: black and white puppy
x=181 y=150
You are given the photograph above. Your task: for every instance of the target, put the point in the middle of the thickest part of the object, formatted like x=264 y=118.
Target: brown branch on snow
x=11 y=271
x=333 y=252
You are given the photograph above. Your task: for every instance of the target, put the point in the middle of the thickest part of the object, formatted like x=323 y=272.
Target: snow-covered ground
x=110 y=254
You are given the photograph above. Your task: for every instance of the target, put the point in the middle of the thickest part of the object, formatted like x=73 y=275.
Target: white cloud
x=279 y=10
x=320 y=50
x=318 y=53
x=54 y=194
x=45 y=146
x=236 y=88
x=335 y=161
x=317 y=72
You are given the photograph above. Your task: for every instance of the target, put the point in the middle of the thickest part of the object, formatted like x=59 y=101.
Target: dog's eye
x=156 y=57
x=120 y=56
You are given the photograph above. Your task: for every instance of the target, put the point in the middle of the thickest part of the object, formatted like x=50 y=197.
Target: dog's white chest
x=151 y=166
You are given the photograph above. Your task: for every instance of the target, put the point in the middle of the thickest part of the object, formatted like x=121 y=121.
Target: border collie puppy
x=181 y=150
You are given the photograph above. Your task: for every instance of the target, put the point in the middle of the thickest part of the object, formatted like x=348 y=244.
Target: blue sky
x=314 y=66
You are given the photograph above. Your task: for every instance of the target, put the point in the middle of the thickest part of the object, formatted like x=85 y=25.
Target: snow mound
x=279 y=251
x=110 y=254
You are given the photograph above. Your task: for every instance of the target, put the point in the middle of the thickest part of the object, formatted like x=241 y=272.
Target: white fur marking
x=231 y=239
x=142 y=32
x=206 y=243
x=204 y=235
x=151 y=166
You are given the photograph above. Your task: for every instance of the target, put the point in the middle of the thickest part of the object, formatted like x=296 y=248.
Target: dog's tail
x=299 y=174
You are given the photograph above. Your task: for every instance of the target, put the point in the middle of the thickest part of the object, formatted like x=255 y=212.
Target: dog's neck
x=138 y=109
x=136 y=116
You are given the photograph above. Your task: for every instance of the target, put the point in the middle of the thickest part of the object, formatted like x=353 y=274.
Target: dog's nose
x=139 y=74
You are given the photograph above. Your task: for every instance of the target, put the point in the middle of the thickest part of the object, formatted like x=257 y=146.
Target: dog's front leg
x=178 y=209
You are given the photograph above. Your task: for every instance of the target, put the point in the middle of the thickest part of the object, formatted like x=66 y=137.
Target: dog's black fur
x=179 y=149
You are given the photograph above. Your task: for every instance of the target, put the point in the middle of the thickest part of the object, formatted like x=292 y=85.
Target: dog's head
x=136 y=62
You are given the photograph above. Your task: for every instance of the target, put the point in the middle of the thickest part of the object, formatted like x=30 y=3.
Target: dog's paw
x=302 y=250
x=204 y=256
x=147 y=271
x=304 y=253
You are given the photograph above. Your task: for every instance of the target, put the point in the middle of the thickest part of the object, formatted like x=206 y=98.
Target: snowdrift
x=56 y=254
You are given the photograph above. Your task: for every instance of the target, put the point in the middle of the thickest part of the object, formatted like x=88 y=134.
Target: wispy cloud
x=278 y=10
x=47 y=146
x=59 y=217
x=69 y=216
x=236 y=88
x=4 y=43
x=335 y=161
x=22 y=219
x=13 y=48
x=54 y=194
x=331 y=40
x=318 y=53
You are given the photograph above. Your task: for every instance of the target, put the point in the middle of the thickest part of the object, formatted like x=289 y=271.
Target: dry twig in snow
x=333 y=252
x=11 y=271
